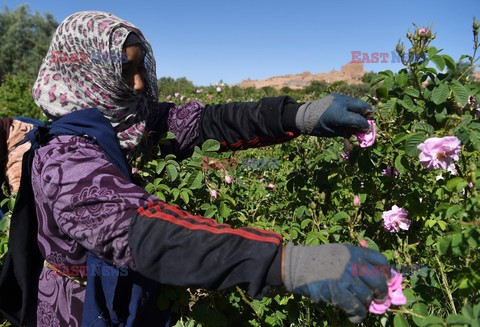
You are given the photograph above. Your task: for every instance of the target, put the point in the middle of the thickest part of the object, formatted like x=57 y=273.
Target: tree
x=168 y=86
x=24 y=40
x=16 y=97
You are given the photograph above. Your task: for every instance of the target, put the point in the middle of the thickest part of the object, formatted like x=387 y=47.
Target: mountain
x=351 y=73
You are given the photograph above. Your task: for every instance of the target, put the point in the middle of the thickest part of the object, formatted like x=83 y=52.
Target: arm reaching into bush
x=272 y=120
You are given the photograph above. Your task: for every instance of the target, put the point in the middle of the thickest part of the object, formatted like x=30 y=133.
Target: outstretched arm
x=122 y=224
x=236 y=125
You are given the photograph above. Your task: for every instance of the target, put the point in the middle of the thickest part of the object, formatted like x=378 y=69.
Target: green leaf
x=371 y=244
x=305 y=223
x=440 y=116
x=420 y=309
x=476 y=310
x=453 y=210
x=210 y=145
x=449 y=62
x=412 y=142
x=424 y=127
x=432 y=321
x=340 y=215
x=439 y=61
x=224 y=210
x=381 y=92
x=457 y=319
x=377 y=79
x=300 y=211
x=432 y=51
x=387 y=72
x=412 y=92
x=388 y=83
x=210 y=211
x=400 y=321
x=460 y=92
x=390 y=105
x=400 y=137
x=175 y=193
x=402 y=79
x=440 y=94
x=456 y=184
x=184 y=196
x=444 y=245
x=408 y=104
x=172 y=172
x=160 y=167
x=195 y=180
x=401 y=163
x=467 y=311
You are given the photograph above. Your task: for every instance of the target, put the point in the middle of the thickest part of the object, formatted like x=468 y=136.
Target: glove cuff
x=289 y=265
x=309 y=113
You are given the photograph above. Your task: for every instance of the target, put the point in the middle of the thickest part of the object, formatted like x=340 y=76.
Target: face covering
x=73 y=76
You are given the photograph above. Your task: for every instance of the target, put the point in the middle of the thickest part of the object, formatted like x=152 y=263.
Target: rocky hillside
x=350 y=73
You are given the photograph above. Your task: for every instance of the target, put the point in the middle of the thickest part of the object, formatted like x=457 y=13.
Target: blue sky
x=210 y=40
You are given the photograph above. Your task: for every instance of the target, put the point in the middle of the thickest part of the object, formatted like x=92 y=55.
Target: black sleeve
x=174 y=247
x=241 y=125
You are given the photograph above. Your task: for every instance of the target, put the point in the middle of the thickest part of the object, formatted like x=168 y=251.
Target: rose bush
x=421 y=115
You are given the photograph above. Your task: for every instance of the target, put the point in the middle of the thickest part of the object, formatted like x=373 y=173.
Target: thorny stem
x=407 y=312
x=445 y=285
x=244 y=298
x=417 y=84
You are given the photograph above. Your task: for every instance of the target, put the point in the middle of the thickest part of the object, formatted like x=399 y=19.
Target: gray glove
x=325 y=273
x=334 y=115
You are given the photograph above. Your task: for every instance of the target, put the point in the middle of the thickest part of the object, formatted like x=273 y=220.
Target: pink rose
x=213 y=193
x=219 y=89
x=421 y=31
x=396 y=219
x=356 y=201
x=345 y=156
x=363 y=243
x=389 y=171
x=228 y=179
x=177 y=94
x=367 y=139
x=440 y=153
x=271 y=186
x=395 y=295
x=199 y=91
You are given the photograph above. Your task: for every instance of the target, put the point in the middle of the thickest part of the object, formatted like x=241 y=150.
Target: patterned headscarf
x=64 y=87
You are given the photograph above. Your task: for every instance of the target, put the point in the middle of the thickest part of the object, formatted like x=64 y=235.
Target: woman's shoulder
x=69 y=148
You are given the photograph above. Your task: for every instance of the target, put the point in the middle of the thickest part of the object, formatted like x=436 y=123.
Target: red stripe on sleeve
x=226 y=230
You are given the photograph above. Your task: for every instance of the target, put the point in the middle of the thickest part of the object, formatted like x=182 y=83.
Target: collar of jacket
x=87 y=123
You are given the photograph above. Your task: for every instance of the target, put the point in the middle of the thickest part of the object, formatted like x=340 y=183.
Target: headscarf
x=64 y=87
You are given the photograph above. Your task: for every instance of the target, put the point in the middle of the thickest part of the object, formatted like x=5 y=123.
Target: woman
x=85 y=204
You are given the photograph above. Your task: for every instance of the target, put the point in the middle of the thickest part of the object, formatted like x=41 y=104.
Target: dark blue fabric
x=90 y=123
x=112 y=297
x=28 y=120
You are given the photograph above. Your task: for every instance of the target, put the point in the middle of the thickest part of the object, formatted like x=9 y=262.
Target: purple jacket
x=85 y=204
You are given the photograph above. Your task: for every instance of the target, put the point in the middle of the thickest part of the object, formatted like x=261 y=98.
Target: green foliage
x=168 y=85
x=16 y=97
x=312 y=202
x=24 y=40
